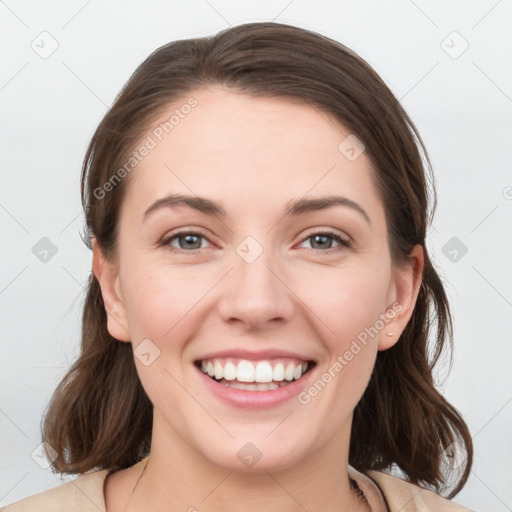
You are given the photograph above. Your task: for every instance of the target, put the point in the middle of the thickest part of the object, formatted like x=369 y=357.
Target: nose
x=256 y=293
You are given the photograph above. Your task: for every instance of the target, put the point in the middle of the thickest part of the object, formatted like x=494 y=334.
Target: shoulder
x=83 y=494
x=404 y=496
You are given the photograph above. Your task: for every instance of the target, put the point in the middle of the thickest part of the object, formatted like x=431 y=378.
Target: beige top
x=86 y=494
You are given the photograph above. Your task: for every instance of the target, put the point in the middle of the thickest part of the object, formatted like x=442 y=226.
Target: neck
x=178 y=478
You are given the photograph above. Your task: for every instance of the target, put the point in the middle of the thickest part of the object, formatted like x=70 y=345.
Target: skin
x=251 y=155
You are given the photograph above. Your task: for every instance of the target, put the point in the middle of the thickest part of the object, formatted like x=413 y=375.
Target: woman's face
x=250 y=284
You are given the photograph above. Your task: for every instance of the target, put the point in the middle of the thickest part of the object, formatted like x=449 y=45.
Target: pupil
x=321 y=237
x=189 y=238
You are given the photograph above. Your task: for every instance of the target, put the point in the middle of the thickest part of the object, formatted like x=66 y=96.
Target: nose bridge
x=257 y=293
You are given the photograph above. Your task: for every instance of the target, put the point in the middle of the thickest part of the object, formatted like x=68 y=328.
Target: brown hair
x=100 y=416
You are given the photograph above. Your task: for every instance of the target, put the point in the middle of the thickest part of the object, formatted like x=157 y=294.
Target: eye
x=321 y=239
x=187 y=241
x=190 y=241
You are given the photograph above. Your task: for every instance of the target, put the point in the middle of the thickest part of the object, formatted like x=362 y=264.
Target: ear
x=403 y=292
x=108 y=278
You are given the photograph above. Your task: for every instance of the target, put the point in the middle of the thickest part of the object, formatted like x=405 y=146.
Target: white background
x=50 y=107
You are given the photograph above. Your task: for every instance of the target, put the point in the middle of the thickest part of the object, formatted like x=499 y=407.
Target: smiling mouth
x=249 y=375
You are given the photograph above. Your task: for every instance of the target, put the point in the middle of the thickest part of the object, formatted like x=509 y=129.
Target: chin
x=257 y=456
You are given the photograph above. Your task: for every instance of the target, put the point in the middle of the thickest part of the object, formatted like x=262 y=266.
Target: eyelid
x=344 y=241
x=182 y=232
x=328 y=231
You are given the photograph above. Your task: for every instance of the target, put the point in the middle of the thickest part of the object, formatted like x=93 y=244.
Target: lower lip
x=255 y=399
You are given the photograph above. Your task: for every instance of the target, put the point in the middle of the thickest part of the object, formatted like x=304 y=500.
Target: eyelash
x=330 y=234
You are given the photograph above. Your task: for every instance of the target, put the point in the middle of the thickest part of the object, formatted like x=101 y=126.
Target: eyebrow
x=295 y=207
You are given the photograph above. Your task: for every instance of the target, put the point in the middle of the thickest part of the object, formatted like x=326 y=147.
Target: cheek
x=157 y=299
x=349 y=313
x=161 y=306
x=347 y=301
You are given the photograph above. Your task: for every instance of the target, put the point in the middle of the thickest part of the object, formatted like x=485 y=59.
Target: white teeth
x=278 y=374
x=263 y=372
x=288 y=373
x=245 y=372
x=230 y=371
x=297 y=372
x=267 y=386
x=219 y=371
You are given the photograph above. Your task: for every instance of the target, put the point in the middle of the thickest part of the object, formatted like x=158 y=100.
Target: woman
x=256 y=322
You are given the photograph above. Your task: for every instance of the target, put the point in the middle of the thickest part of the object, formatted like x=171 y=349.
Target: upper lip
x=254 y=355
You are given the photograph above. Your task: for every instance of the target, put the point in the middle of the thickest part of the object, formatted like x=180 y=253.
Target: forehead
x=242 y=150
